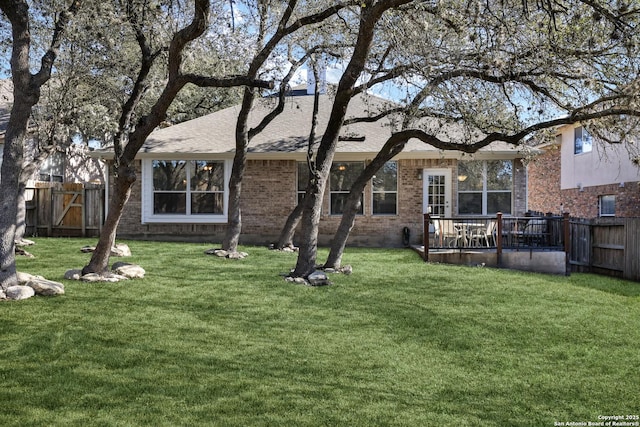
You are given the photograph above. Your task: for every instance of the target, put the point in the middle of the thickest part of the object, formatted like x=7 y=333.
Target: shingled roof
x=287 y=135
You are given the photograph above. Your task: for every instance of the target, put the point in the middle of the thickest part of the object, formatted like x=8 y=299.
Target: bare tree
x=132 y=133
x=284 y=27
x=26 y=94
x=482 y=72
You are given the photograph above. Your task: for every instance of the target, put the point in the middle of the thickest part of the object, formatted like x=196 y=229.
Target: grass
x=209 y=341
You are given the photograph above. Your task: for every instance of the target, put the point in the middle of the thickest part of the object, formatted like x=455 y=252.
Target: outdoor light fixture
x=342 y=168
x=419 y=175
x=462 y=178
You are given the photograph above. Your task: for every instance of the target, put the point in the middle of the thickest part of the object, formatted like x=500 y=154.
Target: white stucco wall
x=605 y=164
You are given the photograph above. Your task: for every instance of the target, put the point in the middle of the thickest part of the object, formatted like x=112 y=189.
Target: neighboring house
x=584 y=176
x=184 y=171
x=72 y=165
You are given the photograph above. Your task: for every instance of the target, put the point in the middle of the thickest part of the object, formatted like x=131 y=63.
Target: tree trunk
x=308 y=252
x=21 y=213
x=124 y=180
x=25 y=96
x=392 y=147
x=308 y=249
x=9 y=190
x=289 y=229
x=234 y=226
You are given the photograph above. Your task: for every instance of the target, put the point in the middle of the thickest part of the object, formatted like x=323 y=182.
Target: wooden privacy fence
x=64 y=209
x=608 y=246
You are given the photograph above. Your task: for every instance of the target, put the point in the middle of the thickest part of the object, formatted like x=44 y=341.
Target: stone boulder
x=318 y=278
x=3 y=296
x=19 y=292
x=107 y=277
x=131 y=271
x=40 y=285
x=226 y=254
x=119 y=250
x=73 y=274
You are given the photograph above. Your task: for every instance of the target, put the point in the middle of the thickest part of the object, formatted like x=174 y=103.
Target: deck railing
x=496 y=233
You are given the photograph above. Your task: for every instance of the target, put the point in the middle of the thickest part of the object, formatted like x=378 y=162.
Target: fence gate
x=65 y=209
x=608 y=246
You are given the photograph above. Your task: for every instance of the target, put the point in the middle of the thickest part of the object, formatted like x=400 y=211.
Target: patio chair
x=447 y=234
x=535 y=233
x=484 y=235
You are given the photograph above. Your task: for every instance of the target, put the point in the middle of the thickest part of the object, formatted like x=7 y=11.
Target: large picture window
x=385 y=190
x=184 y=190
x=583 y=142
x=342 y=177
x=485 y=187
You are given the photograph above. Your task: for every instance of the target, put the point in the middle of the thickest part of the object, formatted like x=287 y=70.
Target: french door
x=436 y=185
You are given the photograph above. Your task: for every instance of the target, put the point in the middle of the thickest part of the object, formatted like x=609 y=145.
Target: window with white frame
x=485 y=187
x=607 y=205
x=583 y=143
x=341 y=178
x=184 y=190
x=385 y=190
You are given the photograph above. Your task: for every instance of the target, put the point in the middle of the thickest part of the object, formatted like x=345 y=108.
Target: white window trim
x=147 y=198
x=485 y=191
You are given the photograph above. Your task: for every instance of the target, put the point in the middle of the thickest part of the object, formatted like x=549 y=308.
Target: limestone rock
x=121 y=250
x=217 y=252
x=318 y=278
x=46 y=287
x=23 y=278
x=19 y=292
x=132 y=271
x=347 y=269
x=24 y=242
x=107 y=277
x=226 y=254
x=73 y=274
x=2 y=295
x=21 y=252
x=296 y=280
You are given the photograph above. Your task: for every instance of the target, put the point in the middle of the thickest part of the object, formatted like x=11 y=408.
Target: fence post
x=567 y=243
x=425 y=236
x=51 y=211
x=83 y=209
x=499 y=239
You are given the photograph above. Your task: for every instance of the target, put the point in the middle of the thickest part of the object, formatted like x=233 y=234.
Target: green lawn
x=209 y=341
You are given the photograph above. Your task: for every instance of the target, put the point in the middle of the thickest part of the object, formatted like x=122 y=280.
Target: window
x=184 y=191
x=385 y=190
x=52 y=170
x=583 y=142
x=341 y=178
x=485 y=187
x=607 y=205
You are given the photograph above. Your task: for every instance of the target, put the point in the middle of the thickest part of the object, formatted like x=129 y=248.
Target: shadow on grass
x=606 y=284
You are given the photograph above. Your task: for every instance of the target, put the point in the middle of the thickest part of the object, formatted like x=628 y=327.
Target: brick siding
x=269 y=195
x=545 y=194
